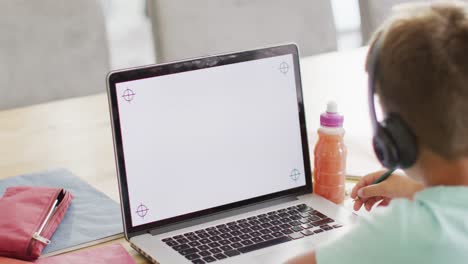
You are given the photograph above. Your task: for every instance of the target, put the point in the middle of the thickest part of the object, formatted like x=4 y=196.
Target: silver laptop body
x=213 y=160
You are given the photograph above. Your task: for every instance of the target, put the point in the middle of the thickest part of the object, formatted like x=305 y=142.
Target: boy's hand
x=396 y=186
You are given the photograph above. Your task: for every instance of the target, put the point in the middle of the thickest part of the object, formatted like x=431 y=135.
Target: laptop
x=213 y=160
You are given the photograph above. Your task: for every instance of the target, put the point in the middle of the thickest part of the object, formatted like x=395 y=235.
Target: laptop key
x=264 y=244
x=189 y=234
x=234 y=227
x=295 y=223
x=205 y=241
x=220 y=256
x=181 y=247
x=284 y=214
x=337 y=226
x=203 y=235
x=224 y=242
x=214 y=245
x=215 y=250
x=255 y=234
x=285 y=226
x=307 y=232
x=244 y=225
x=319 y=214
x=277 y=234
x=267 y=237
x=245 y=236
x=203 y=247
x=297 y=228
x=167 y=239
x=276 y=222
x=322 y=222
x=314 y=218
x=204 y=253
x=192 y=256
x=231 y=253
x=182 y=240
x=265 y=231
x=198 y=261
x=188 y=251
x=246 y=230
x=247 y=242
x=236 y=233
x=254 y=222
x=209 y=259
x=226 y=248
x=287 y=231
x=256 y=227
x=215 y=238
x=225 y=235
x=214 y=233
x=296 y=235
x=318 y=231
x=224 y=230
x=295 y=217
x=194 y=244
x=234 y=239
x=251 y=218
x=192 y=238
x=257 y=240
x=178 y=237
x=273 y=217
x=237 y=245
x=275 y=229
x=172 y=243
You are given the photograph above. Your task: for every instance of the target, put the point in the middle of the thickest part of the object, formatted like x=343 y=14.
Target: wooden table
x=75 y=134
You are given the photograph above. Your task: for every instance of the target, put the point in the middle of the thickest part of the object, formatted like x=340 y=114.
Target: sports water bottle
x=330 y=156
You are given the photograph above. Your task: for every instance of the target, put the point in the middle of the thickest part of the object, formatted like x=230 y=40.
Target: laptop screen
x=200 y=139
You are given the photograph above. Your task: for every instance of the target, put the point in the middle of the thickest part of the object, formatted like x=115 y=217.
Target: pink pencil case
x=29 y=217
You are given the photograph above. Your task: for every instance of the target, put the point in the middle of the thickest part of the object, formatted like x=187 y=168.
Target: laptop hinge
x=221 y=215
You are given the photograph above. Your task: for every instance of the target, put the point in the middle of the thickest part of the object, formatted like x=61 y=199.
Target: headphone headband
x=372 y=71
x=394 y=143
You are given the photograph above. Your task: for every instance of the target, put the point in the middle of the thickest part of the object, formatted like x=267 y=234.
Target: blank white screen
x=200 y=139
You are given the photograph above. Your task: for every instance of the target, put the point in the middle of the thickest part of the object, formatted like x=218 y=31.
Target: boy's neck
x=435 y=170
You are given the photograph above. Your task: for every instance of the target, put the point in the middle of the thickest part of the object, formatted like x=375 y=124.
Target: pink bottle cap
x=331 y=118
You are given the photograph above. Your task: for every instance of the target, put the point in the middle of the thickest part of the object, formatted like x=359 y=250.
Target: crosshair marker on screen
x=142 y=210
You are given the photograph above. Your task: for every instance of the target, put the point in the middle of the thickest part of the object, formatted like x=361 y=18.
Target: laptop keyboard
x=249 y=234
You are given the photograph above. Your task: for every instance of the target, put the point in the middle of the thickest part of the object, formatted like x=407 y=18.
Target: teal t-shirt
x=433 y=228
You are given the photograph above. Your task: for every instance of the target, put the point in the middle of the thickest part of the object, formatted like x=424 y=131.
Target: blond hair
x=423 y=73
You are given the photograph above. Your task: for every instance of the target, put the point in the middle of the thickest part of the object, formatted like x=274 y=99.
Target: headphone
x=394 y=143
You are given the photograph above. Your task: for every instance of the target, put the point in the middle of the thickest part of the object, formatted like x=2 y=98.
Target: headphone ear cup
x=384 y=148
x=403 y=140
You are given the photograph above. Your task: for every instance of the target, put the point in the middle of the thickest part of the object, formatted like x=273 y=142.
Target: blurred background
x=52 y=49
x=130 y=35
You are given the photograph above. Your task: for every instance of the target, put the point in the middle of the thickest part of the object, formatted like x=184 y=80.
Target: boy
x=423 y=69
